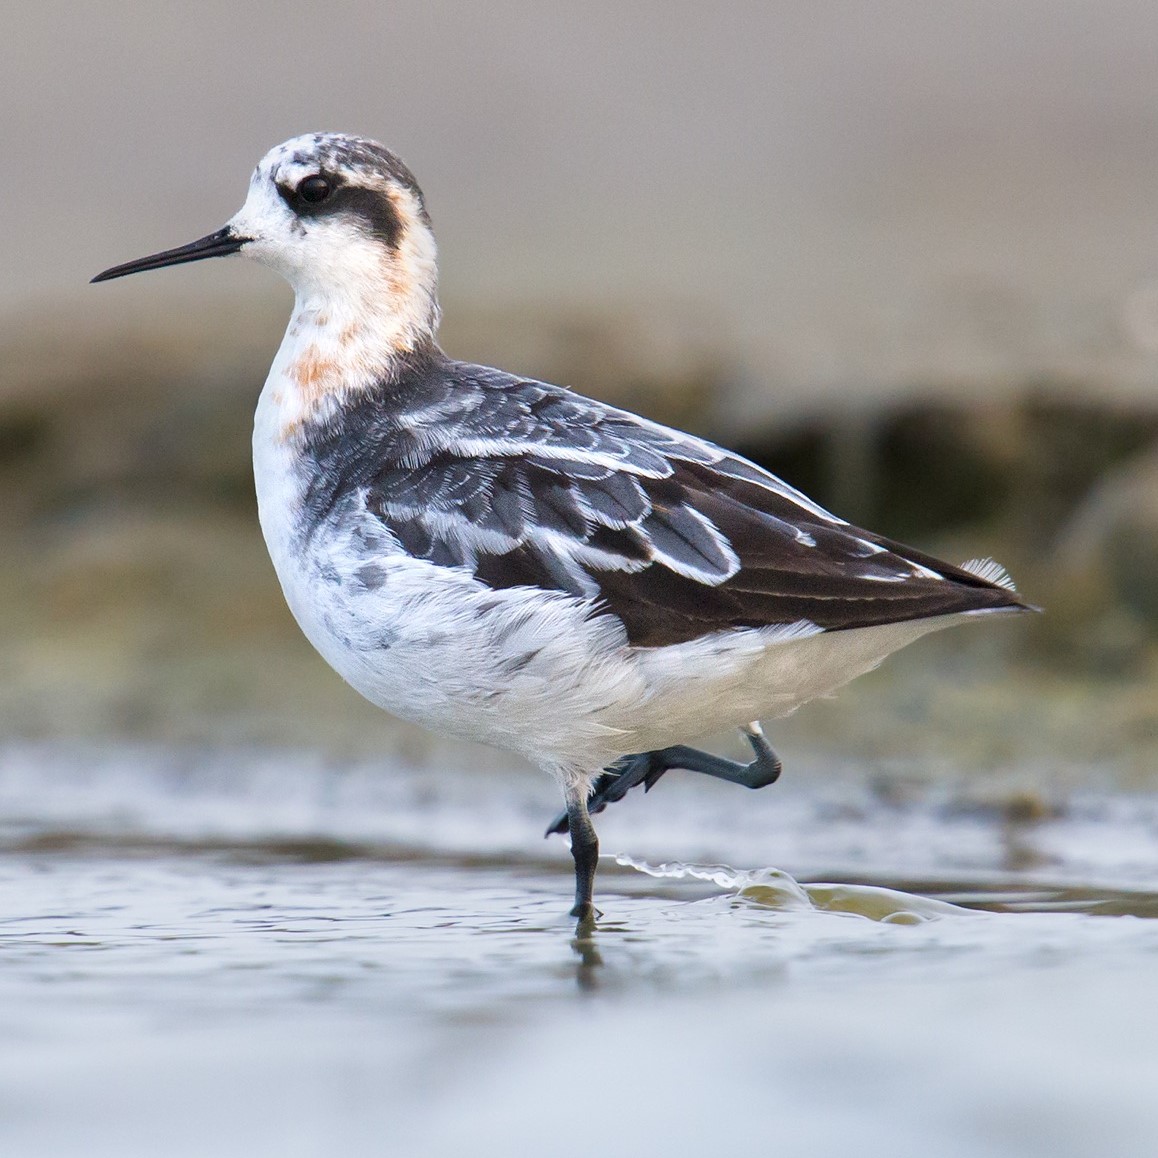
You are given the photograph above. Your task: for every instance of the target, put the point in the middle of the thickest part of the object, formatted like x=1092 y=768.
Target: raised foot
x=647 y=767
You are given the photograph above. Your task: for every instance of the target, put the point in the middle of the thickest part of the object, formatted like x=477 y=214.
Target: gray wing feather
x=529 y=484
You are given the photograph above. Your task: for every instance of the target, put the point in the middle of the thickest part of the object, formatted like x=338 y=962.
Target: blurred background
x=903 y=253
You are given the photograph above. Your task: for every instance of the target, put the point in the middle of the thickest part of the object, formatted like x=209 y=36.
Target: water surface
x=258 y=953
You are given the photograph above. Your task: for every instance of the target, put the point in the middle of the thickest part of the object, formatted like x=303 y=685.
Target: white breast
x=531 y=671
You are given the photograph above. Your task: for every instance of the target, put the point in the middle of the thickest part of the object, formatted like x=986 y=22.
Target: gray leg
x=585 y=850
x=647 y=767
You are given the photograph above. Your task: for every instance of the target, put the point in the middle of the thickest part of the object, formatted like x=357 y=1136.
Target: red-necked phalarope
x=506 y=561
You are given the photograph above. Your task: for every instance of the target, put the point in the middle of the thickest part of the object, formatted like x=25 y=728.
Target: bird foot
x=645 y=768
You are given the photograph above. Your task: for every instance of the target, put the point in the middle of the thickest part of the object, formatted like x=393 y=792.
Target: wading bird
x=506 y=561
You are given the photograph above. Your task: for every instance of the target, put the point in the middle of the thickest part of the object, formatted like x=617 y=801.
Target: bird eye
x=314 y=190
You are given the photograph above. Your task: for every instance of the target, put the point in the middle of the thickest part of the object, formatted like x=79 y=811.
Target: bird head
x=343 y=220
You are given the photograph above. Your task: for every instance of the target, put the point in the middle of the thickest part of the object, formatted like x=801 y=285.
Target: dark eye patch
x=371 y=207
x=312 y=195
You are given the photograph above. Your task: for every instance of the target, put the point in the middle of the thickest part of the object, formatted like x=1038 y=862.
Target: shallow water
x=255 y=952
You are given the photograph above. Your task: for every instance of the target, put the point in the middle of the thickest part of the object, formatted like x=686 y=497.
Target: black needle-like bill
x=218 y=244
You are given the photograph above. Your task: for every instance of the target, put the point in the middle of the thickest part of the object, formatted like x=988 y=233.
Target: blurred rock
x=159 y=408
x=924 y=469
x=1111 y=546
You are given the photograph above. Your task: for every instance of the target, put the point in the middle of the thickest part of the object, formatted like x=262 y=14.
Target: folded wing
x=527 y=484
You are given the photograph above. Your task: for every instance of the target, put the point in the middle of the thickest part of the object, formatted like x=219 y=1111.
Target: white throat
x=353 y=323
